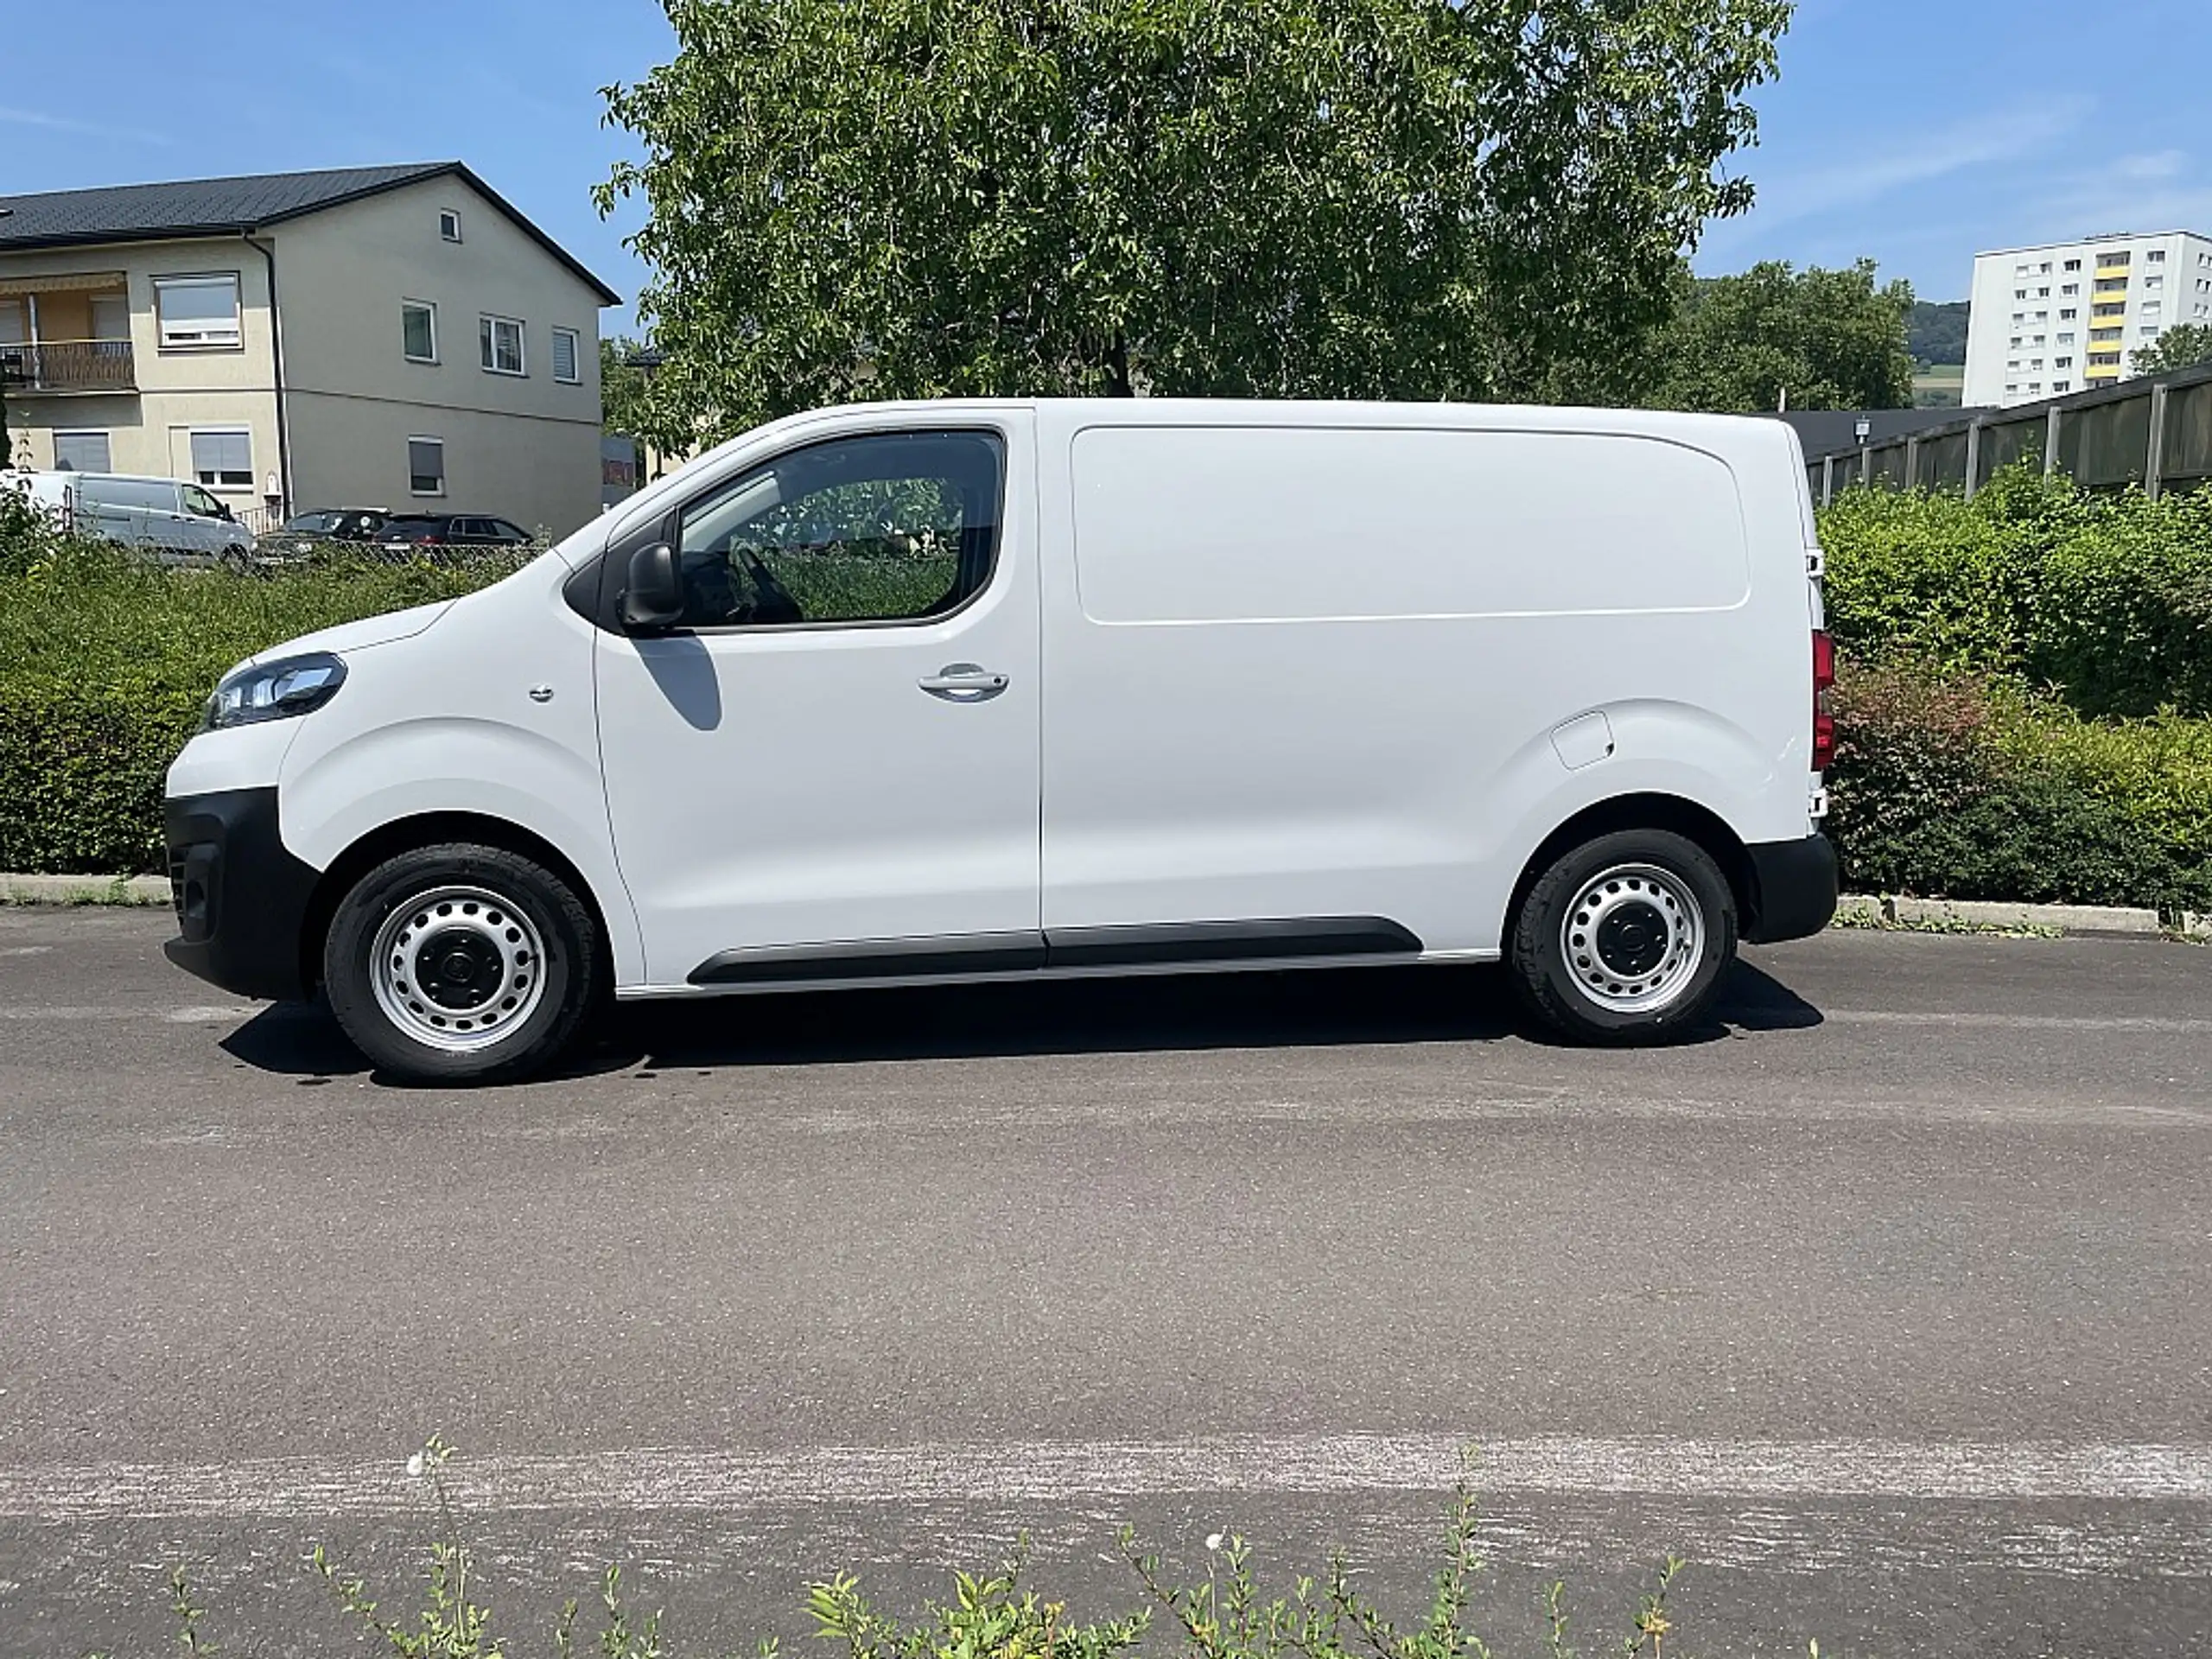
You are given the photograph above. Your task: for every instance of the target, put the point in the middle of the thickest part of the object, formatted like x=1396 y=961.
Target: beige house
x=394 y=337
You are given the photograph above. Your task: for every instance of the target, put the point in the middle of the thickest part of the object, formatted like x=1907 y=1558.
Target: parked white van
x=168 y=516
x=994 y=689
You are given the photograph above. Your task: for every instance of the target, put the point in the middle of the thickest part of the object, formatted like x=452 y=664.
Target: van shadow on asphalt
x=1307 y=1008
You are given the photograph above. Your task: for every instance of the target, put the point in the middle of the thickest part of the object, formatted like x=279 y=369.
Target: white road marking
x=663 y=1479
x=132 y=1011
x=2012 y=1021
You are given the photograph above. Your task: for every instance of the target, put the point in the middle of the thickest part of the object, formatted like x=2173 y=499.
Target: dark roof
x=147 y=212
x=1831 y=431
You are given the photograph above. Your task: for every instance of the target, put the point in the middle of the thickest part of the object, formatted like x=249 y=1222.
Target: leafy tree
x=1357 y=197
x=2182 y=346
x=622 y=385
x=1828 y=338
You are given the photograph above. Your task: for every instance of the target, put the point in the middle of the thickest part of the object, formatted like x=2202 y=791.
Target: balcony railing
x=69 y=365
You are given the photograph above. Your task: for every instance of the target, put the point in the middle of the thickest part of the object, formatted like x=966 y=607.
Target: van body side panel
x=444 y=722
x=1304 y=668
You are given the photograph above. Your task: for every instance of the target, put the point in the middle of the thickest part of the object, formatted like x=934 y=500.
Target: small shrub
x=1966 y=787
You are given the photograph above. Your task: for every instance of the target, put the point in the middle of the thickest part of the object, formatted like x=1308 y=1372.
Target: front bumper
x=1794 y=888
x=241 y=899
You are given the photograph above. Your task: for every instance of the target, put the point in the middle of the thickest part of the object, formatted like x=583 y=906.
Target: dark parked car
x=403 y=532
x=301 y=535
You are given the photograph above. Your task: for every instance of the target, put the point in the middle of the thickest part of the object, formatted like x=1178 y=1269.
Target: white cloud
x=1980 y=141
x=87 y=129
x=2154 y=190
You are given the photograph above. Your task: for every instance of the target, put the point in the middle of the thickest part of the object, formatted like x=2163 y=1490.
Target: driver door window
x=198 y=502
x=890 y=528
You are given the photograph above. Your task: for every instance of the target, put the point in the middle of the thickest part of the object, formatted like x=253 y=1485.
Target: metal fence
x=2154 y=434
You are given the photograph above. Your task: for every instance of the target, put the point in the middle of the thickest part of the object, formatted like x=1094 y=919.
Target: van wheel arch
x=1668 y=812
x=429 y=830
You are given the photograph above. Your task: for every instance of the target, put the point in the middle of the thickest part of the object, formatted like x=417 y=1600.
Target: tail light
x=1823 y=721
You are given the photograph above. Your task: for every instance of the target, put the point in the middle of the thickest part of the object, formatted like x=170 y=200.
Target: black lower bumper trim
x=241 y=897
x=1793 y=887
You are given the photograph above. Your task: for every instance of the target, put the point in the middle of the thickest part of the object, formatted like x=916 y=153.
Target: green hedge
x=1967 y=787
x=2024 y=678
x=105 y=661
x=2105 y=599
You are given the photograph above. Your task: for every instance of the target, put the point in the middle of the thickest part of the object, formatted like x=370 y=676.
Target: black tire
x=542 y=983
x=1662 y=974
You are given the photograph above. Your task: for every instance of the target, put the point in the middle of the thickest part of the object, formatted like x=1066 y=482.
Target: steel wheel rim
x=1633 y=939
x=457 y=966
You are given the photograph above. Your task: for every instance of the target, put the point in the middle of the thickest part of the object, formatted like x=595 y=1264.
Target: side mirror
x=652 y=595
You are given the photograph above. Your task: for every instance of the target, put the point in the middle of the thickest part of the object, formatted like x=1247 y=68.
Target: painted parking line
x=665 y=1479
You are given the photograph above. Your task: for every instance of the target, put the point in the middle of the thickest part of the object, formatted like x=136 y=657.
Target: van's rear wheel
x=1625 y=938
x=461 y=963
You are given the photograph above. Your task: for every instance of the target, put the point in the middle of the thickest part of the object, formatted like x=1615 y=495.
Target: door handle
x=964 y=683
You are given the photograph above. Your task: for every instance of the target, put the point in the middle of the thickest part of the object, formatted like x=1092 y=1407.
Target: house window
x=2019 y=293
x=564 y=356
x=83 y=452
x=222 y=458
x=2062 y=385
x=2042 y=292
x=2150 y=331
x=2073 y=265
x=2156 y=257
x=198 y=312
x=500 y=339
x=2154 y=282
x=449 y=225
x=2067 y=339
x=418 y=330
x=2069 y=288
x=426 y=466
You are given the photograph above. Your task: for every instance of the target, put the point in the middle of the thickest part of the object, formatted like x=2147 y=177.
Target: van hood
x=360 y=636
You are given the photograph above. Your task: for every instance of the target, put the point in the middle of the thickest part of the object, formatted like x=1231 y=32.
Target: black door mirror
x=652 y=597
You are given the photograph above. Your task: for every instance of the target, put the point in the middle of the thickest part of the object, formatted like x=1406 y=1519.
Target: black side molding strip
x=1297 y=935
x=952 y=953
x=1141 y=945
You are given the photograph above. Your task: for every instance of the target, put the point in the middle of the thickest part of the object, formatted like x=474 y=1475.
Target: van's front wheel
x=461 y=963
x=1625 y=938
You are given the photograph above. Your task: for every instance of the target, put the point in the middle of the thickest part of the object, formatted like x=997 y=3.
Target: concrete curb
x=1899 y=908
x=83 y=889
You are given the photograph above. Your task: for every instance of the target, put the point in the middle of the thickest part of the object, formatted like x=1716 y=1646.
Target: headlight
x=277 y=690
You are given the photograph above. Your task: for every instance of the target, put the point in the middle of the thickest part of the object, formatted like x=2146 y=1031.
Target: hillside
x=1937 y=334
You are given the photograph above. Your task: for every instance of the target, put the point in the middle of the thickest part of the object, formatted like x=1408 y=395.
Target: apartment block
x=2068 y=316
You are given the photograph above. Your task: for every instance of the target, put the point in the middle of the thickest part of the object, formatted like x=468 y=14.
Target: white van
x=994 y=689
x=166 y=516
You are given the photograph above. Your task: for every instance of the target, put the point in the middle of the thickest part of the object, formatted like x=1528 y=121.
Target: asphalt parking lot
x=1888 y=1304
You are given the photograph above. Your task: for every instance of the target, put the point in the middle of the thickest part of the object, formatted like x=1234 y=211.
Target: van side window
x=887 y=528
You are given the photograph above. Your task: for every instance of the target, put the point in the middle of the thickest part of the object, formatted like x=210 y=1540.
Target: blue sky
x=1914 y=131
